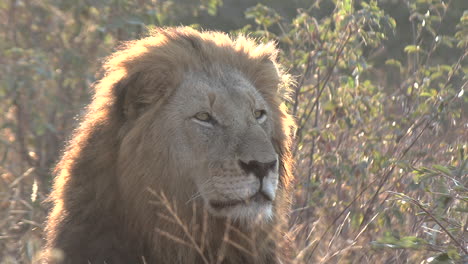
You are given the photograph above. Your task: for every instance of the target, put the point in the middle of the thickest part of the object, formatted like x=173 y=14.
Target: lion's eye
x=260 y=115
x=204 y=117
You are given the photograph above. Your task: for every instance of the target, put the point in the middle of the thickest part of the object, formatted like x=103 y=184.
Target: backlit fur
x=138 y=176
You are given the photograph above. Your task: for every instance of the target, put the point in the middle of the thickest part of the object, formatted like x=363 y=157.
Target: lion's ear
x=127 y=92
x=135 y=93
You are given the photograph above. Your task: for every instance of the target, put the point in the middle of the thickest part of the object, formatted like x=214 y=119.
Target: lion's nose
x=259 y=169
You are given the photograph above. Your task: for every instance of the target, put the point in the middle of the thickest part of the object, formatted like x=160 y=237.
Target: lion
x=183 y=156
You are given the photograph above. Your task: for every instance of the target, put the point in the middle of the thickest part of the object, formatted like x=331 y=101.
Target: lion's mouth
x=260 y=198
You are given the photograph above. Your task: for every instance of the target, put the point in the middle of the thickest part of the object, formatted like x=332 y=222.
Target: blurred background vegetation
x=380 y=101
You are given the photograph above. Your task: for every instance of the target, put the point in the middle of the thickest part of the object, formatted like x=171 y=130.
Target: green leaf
x=412 y=49
x=409 y=242
x=442 y=169
x=393 y=62
x=440 y=259
x=453 y=253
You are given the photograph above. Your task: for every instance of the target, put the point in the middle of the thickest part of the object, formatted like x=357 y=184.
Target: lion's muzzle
x=242 y=189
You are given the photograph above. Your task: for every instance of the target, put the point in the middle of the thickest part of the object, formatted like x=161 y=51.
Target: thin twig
x=172 y=211
x=418 y=204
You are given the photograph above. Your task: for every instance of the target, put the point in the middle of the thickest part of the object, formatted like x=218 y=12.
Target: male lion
x=183 y=156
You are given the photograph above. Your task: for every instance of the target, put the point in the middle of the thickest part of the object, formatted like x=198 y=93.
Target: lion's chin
x=255 y=210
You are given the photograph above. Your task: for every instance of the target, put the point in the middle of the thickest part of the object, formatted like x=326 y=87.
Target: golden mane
x=100 y=210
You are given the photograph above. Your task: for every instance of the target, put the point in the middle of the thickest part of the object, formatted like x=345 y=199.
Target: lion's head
x=217 y=124
x=196 y=115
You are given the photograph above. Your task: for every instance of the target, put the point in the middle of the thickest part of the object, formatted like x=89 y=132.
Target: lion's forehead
x=231 y=89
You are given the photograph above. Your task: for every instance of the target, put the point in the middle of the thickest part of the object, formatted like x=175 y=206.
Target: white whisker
x=201 y=190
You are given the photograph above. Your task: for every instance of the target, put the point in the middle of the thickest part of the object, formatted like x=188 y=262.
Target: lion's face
x=221 y=127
